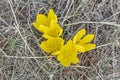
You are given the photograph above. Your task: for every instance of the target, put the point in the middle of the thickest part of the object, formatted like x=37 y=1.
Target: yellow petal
x=79 y=35
x=80 y=48
x=55 y=53
x=89 y=47
x=52 y=16
x=54 y=30
x=42 y=20
x=46 y=47
x=40 y=28
x=52 y=44
x=57 y=30
x=88 y=38
x=46 y=36
x=36 y=25
x=61 y=31
x=76 y=60
x=65 y=63
x=68 y=54
x=60 y=56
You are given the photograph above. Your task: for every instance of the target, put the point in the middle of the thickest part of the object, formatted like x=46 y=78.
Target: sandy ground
x=22 y=59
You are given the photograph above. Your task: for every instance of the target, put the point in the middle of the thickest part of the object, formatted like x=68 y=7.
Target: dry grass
x=22 y=59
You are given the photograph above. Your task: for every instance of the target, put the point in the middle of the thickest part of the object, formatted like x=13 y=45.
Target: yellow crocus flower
x=68 y=54
x=52 y=45
x=82 y=41
x=54 y=30
x=48 y=24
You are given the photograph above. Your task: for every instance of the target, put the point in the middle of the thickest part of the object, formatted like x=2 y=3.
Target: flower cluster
x=54 y=44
